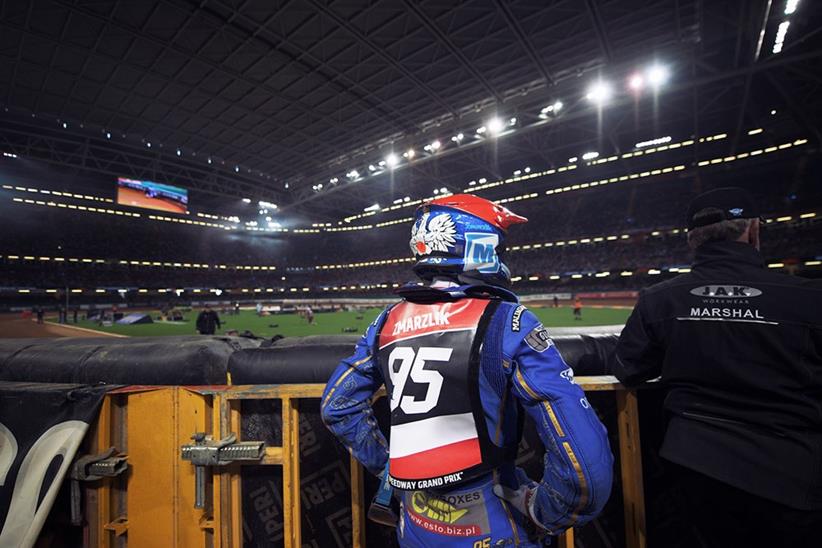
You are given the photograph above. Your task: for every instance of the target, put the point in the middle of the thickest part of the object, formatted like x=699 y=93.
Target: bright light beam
x=495 y=125
x=657 y=76
x=599 y=93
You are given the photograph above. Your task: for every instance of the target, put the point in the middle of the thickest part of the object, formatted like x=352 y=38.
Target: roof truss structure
x=250 y=98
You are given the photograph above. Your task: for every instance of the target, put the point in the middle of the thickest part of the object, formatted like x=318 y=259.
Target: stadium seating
x=569 y=245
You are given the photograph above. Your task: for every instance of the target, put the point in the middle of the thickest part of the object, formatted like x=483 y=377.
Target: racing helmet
x=462 y=237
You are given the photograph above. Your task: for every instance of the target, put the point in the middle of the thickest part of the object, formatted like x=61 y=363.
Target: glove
x=522 y=498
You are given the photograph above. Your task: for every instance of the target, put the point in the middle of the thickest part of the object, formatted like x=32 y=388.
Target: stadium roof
x=271 y=100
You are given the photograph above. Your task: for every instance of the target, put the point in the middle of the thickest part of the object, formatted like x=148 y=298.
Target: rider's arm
x=577 y=477
x=346 y=403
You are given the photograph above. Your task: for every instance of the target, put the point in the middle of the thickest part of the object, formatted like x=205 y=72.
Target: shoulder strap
x=478 y=350
x=490 y=361
x=491 y=369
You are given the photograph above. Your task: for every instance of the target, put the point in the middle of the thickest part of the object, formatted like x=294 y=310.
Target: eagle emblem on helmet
x=434 y=235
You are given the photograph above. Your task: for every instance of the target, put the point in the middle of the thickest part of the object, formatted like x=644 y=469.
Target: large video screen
x=148 y=194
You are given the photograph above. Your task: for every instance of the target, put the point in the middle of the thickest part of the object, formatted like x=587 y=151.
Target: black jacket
x=207 y=322
x=739 y=350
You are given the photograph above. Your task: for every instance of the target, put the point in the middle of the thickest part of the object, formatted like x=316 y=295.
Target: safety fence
x=219 y=442
x=181 y=491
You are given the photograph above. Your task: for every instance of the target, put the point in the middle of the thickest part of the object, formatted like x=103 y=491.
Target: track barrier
x=225 y=447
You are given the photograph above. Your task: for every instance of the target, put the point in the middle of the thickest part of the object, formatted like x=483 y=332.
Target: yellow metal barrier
x=153 y=504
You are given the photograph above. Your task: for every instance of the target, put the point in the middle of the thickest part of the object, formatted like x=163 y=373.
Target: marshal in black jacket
x=739 y=350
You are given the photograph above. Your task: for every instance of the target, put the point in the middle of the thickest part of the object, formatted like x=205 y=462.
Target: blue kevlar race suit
x=578 y=462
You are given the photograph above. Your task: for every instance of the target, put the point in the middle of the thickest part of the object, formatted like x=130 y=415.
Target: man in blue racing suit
x=461 y=359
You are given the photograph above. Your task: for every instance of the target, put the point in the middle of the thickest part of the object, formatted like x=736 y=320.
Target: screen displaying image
x=131 y=192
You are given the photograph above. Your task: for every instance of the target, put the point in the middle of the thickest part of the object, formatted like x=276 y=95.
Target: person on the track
x=577 y=308
x=208 y=321
x=460 y=359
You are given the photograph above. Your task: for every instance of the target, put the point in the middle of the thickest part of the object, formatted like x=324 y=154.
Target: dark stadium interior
x=301 y=137
x=299 y=113
x=298 y=107
x=300 y=119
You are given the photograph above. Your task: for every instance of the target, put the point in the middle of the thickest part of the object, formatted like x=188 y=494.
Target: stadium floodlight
x=773 y=112
x=471 y=183
x=458 y=138
x=790 y=6
x=444 y=190
x=517 y=172
x=409 y=153
x=482 y=180
x=353 y=174
x=433 y=146
x=236 y=169
x=551 y=109
x=481 y=130
x=590 y=155
x=495 y=125
x=436 y=191
x=209 y=160
x=333 y=180
x=65 y=125
x=572 y=159
x=527 y=169
x=217 y=292
x=512 y=121
x=657 y=76
x=108 y=135
x=653 y=142
x=636 y=82
x=9 y=155
x=148 y=144
x=179 y=153
x=781 y=32
x=373 y=207
x=599 y=93
x=372 y=167
x=247 y=200
x=268 y=219
x=392 y=160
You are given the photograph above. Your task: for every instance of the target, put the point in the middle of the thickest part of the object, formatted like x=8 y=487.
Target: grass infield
x=333 y=323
